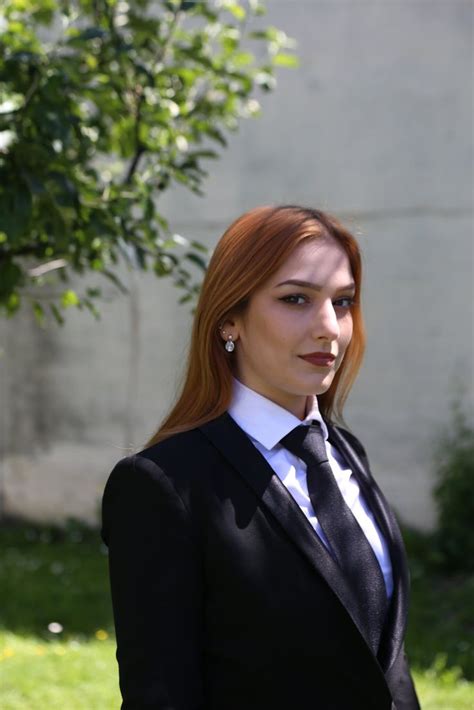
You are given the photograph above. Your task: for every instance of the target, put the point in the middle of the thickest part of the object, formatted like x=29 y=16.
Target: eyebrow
x=315 y=287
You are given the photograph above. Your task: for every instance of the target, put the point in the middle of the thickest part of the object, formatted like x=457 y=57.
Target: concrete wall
x=376 y=127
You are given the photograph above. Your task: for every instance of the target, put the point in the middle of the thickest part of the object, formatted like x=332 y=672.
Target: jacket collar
x=242 y=455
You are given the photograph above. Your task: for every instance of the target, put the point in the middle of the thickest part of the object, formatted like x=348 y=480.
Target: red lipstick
x=319 y=359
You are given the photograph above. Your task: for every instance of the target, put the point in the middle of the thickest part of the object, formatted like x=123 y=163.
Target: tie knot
x=306 y=442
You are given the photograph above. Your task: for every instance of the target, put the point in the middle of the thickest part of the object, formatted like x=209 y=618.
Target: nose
x=326 y=325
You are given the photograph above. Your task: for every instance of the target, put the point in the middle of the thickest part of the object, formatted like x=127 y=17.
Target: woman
x=254 y=562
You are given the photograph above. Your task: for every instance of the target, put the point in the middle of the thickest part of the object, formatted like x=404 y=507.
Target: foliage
x=104 y=104
x=441 y=617
x=454 y=495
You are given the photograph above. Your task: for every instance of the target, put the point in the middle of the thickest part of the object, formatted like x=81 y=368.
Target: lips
x=319 y=359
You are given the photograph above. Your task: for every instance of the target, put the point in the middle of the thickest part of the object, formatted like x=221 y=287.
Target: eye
x=295 y=299
x=345 y=302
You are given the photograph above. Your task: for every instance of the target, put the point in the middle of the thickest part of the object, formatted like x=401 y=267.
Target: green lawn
x=51 y=577
x=67 y=675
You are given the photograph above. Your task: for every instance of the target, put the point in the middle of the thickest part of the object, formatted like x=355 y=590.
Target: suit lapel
x=242 y=455
x=395 y=626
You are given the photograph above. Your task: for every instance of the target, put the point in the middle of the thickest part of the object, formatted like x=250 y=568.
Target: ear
x=229 y=327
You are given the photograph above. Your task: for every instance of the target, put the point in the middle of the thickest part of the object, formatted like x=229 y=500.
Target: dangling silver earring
x=230 y=345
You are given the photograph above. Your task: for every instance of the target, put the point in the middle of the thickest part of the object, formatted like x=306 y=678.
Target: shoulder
x=184 y=458
x=167 y=467
x=177 y=448
x=155 y=481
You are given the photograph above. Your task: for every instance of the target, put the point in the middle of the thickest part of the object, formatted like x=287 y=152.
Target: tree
x=104 y=104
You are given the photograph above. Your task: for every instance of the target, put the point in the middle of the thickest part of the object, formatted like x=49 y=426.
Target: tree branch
x=134 y=164
x=47 y=267
x=139 y=147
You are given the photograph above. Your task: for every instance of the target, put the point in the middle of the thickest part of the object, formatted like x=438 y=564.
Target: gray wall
x=376 y=127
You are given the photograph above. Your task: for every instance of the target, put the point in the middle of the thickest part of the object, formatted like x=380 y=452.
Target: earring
x=230 y=345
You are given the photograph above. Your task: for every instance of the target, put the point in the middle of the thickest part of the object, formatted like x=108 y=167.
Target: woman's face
x=292 y=337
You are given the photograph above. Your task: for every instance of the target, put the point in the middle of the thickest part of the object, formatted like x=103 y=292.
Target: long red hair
x=249 y=252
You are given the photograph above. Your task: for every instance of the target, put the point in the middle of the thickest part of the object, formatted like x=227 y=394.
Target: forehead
x=321 y=260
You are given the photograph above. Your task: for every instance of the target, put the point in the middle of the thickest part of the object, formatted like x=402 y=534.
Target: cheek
x=268 y=334
x=281 y=334
x=271 y=342
x=347 y=329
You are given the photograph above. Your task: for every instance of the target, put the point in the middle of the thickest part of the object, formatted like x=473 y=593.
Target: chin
x=312 y=387
x=323 y=386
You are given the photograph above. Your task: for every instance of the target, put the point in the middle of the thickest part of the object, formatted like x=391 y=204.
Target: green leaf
x=57 y=314
x=115 y=280
x=196 y=259
x=235 y=9
x=285 y=60
x=257 y=7
x=270 y=33
x=243 y=59
x=39 y=313
x=200 y=247
x=91 y=307
x=163 y=266
x=69 y=298
x=13 y=304
x=215 y=134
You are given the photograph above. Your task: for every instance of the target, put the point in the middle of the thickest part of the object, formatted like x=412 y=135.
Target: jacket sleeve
x=156 y=585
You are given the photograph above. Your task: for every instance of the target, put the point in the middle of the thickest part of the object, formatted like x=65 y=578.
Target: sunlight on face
x=293 y=335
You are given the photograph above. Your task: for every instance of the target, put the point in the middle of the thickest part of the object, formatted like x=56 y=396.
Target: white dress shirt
x=266 y=423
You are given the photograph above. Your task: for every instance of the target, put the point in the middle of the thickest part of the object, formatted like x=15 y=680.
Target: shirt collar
x=265 y=421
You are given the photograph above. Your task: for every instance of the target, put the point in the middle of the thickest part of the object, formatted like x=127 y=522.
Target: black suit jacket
x=225 y=598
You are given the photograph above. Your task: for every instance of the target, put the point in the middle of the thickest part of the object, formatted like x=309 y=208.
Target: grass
x=67 y=675
x=50 y=577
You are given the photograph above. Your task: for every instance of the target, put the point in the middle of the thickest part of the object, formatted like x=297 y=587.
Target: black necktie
x=349 y=545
